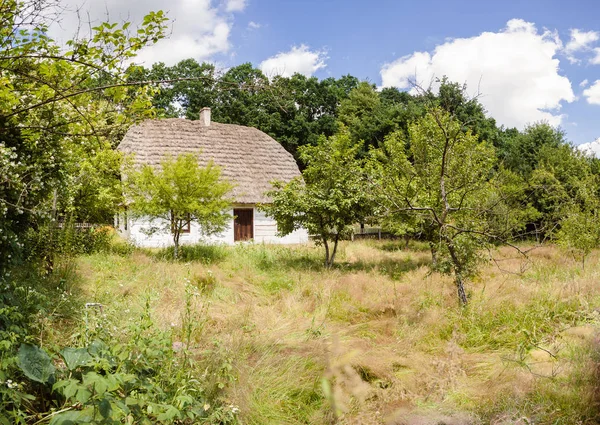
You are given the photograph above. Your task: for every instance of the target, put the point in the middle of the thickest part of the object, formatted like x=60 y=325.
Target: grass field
x=376 y=340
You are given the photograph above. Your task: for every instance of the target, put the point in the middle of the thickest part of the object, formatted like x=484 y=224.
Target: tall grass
x=524 y=349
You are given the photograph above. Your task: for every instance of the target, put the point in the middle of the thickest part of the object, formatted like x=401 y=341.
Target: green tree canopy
x=442 y=183
x=329 y=197
x=61 y=113
x=180 y=192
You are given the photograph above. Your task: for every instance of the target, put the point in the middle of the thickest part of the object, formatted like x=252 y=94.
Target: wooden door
x=243 y=224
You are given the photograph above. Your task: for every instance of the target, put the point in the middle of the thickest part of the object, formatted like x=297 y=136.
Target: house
x=249 y=158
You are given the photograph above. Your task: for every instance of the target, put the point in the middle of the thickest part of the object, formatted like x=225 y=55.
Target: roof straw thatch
x=249 y=158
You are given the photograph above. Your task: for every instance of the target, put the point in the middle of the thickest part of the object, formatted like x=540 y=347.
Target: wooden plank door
x=243 y=224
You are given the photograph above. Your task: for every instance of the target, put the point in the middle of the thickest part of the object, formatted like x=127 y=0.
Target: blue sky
x=528 y=58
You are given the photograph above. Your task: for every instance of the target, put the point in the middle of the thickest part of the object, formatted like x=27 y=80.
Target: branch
x=109 y=86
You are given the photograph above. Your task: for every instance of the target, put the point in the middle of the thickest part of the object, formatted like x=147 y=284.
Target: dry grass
x=382 y=332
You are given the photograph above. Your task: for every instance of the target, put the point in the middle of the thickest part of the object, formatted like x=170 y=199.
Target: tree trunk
x=458 y=276
x=434 y=257
x=176 y=245
x=335 y=245
x=326 y=252
x=460 y=287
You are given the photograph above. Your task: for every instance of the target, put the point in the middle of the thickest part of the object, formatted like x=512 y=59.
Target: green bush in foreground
x=144 y=380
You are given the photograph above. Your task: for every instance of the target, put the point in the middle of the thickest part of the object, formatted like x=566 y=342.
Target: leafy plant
x=35 y=363
x=181 y=192
x=142 y=380
x=442 y=184
x=328 y=199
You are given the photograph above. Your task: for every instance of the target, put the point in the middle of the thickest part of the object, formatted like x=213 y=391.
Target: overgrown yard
x=376 y=340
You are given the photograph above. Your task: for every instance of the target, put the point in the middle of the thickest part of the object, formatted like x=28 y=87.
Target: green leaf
x=105 y=408
x=75 y=357
x=72 y=417
x=97 y=348
x=99 y=383
x=71 y=390
x=35 y=363
x=170 y=414
x=83 y=395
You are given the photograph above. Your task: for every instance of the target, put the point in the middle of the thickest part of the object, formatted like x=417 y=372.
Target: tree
x=578 y=215
x=363 y=114
x=179 y=193
x=559 y=183
x=329 y=197
x=523 y=151
x=60 y=109
x=191 y=86
x=442 y=183
x=294 y=110
x=580 y=233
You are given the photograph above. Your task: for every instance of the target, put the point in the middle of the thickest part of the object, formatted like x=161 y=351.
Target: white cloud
x=200 y=28
x=591 y=148
x=596 y=59
x=300 y=59
x=254 y=25
x=592 y=93
x=235 y=5
x=584 y=83
x=515 y=70
x=580 y=41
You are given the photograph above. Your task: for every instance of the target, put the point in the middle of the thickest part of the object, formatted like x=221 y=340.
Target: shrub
x=103 y=380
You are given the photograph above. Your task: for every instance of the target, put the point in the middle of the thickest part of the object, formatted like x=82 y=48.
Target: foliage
x=140 y=381
x=26 y=299
x=61 y=112
x=179 y=193
x=580 y=233
x=442 y=185
x=522 y=152
x=294 y=110
x=328 y=199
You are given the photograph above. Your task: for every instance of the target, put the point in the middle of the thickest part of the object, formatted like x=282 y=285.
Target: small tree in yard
x=178 y=193
x=329 y=197
x=444 y=184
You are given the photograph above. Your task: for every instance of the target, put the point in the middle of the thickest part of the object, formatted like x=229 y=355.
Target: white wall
x=265 y=230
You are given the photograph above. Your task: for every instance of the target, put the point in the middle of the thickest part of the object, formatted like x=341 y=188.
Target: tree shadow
x=392 y=268
x=285 y=259
x=299 y=260
x=403 y=245
x=203 y=253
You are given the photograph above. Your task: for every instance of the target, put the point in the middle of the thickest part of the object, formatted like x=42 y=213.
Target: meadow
x=378 y=339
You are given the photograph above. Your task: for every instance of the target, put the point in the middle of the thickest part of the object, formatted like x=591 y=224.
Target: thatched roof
x=249 y=158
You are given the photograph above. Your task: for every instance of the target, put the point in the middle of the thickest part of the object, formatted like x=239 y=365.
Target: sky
x=526 y=61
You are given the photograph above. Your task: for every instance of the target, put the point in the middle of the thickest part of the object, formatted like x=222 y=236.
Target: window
x=186 y=228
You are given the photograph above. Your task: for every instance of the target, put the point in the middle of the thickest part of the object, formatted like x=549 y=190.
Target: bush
x=48 y=242
x=103 y=380
x=25 y=297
